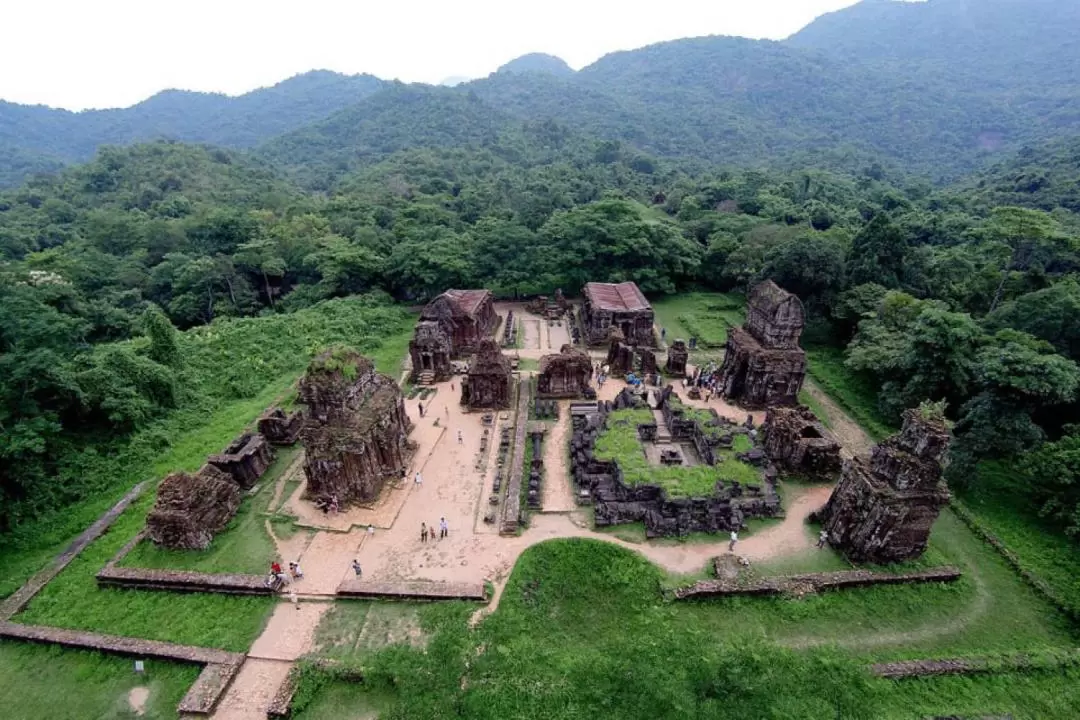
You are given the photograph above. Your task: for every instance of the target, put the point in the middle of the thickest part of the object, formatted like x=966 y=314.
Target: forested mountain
x=539 y=63
x=37 y=138
x=938 y=89
x=991 y=44
x=1045 y=176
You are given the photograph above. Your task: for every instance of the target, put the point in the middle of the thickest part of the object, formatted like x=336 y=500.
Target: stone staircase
x=427 y=377
x=663 y=434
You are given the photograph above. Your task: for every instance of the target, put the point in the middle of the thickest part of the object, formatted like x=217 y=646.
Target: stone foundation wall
x=601 y=484
x=812 y=582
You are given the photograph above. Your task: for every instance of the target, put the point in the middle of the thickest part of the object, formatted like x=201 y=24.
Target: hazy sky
x=113 y=53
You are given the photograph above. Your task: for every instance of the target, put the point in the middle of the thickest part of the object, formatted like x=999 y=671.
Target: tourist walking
x=419 y=480
x=444 y=529
x=459 y=439
x=421 y=406
x=734 y=539
x=356 y=567
x=293 y=599
x=423 y=533
x=822 y=538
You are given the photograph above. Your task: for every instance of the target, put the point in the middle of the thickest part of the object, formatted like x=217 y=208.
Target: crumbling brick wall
x=798 y=442
x=565 y=375
x=191 y=509
x=882 y=511
x=280 y=428
x=245 y=459
x=677 y=356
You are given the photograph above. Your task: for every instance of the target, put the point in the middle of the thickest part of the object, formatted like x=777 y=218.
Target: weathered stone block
x=191 y=509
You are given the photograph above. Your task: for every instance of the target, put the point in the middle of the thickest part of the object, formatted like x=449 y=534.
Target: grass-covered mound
x=583 y=631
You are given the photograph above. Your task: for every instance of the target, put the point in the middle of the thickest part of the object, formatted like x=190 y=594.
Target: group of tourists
x=278 y=578
x=601 y=373
x=706 y=380
x=426 y=531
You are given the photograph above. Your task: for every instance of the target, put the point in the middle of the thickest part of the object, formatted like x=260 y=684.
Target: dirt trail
x=558 y=494
x=250 y=695
x=531 y=336
x=851 y=436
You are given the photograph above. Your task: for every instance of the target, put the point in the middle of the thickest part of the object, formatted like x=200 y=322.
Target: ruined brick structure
x=451 y=326
x=245 y=460
x=677 y=355
x=763 y=363
x=356 y=431
x=600 y=483
x=797 y=441
x=191 y=509
x=487 y=384
x=623 y=359
x=430 y=350
x=565 y=375
x=883 y=509
x=280 y=428
x=622 y=306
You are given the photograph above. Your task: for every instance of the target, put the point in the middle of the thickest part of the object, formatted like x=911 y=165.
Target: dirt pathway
x=851 y=436
x=558 y=493
x=289 y=634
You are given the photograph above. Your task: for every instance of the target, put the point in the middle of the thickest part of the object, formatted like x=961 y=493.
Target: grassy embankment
x=235 y=369
x=586 y=624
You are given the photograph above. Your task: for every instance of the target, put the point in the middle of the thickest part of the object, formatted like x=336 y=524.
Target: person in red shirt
x=275 y=568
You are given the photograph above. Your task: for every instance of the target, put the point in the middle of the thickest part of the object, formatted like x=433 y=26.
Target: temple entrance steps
x=663 y=434
x=427 y=377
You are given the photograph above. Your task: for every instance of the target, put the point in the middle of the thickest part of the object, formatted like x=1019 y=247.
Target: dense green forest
x=934 y=294
x=966 y=293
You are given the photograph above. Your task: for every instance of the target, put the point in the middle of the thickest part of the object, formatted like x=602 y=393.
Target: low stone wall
x=177 y=580
x=512 y=504
x=183 y=581
x=203 y=695
x=22 y=597
x=417 y=590
x=811 y=583
x=904 y=669
x=201 y=698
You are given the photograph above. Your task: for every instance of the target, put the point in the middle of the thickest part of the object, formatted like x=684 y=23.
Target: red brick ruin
x=763 y=363
x=487 y=384
x=281 y=428
x=617 y=305
x=796 y=441
x=451 y=326
x=623 y=359
x=565 y=375
x=677 y=355
x=245 y=460
x=883 y=509
x=191 y=509
x=356 y=431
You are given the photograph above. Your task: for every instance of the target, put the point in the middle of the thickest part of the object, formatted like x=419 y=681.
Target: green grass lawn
x=41 y=681
x=582 y=631
x=243 y=547
x=705 y=316
x=855 y=393
x=1000 y=500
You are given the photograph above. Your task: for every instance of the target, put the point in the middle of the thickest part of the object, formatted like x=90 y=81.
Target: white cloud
x=113 y=53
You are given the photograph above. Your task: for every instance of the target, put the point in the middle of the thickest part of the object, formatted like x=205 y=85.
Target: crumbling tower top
x=775 y=317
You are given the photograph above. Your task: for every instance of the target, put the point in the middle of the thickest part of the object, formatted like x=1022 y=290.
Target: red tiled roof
x=616 y=297
x=467 y=302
